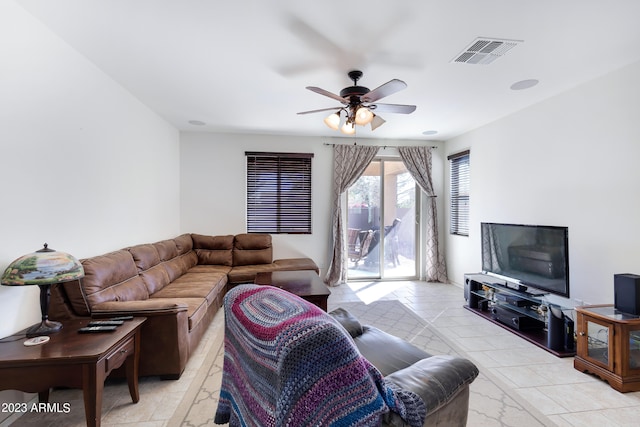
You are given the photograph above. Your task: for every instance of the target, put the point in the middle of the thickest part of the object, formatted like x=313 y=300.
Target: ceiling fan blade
x=389 y=88
x=327 y=93
x=320 y=110
x=392 y=108
x=311 y=36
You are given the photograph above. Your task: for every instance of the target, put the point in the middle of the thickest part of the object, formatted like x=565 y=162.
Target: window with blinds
x=279 y=193
x=459 y=209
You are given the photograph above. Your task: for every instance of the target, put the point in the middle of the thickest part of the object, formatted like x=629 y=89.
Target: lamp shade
x=43 y=267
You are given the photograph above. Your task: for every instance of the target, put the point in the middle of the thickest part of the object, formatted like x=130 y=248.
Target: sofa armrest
x=149 y=307
x=347 y=321
x=436 y=379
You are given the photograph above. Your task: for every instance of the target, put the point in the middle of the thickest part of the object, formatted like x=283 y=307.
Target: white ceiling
x=243 y=65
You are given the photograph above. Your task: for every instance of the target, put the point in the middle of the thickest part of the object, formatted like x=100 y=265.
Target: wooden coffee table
x=304 y=283
x=75 y=360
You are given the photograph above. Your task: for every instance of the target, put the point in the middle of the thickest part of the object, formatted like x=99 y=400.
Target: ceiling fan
x=359 y=104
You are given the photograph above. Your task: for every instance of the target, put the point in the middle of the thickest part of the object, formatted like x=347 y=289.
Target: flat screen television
x=533 y=256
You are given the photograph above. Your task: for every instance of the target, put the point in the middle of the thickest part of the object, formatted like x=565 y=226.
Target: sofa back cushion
x=184 y=243
x=174 y=263
x=166 y=249
x=213 y=250
x=190 y=259
x=250 y=249
x=151 y=270
x=111 y=277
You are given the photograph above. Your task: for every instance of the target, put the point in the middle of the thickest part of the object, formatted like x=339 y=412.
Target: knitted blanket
x=288 y=363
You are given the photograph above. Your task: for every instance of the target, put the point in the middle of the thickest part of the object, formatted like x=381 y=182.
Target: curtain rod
x=382 y=146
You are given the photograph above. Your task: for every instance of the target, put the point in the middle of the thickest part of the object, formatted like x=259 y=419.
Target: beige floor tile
x=542 y=402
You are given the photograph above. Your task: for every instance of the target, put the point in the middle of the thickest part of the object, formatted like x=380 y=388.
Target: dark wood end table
x=609 y=345
x=303 y=283
x=72 y=359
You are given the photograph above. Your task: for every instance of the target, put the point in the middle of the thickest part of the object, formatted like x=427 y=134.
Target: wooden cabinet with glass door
x=609 y=346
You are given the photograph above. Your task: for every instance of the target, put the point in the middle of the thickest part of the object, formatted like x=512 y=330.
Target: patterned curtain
x=349 y=163
x=418 y=163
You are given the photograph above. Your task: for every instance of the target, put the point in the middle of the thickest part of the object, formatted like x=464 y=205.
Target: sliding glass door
x=382 y=223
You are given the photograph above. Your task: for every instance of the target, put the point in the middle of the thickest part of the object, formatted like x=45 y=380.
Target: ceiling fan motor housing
x=350 y=91
x=353 y=93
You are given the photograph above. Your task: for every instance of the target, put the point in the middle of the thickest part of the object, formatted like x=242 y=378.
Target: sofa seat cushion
x=247 y=273
x=291 y=264
x=148 y=307
x=209 y=269
x=213 y=278
x=198 y=285
x=372 y=343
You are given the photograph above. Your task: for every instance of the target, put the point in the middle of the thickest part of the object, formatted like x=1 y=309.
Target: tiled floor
x=551 y=384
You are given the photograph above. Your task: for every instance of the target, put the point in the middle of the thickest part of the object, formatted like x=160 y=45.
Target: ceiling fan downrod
x=355 y=90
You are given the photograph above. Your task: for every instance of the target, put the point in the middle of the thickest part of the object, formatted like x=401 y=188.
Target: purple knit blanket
x=288 y=363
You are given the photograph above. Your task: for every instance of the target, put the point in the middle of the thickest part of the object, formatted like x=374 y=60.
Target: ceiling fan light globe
x=333 y=121
x=363 y=116
x=348 y=128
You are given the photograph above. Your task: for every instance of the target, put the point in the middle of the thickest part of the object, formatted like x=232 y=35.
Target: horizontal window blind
x=279 y=192
x=459 y=216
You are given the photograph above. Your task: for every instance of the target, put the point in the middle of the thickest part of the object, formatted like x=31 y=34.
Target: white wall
x=569 y=161
x=213 y=186
x=85 y=166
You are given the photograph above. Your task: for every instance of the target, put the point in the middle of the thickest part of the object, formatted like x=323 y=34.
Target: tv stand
x=520 y=312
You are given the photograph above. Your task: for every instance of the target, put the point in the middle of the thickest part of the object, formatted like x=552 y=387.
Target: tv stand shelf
x=524 y=314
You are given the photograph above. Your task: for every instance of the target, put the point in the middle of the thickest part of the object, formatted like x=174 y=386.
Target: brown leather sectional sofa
x=177 y=284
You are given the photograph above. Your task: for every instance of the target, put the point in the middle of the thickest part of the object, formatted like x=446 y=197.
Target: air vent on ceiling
x=485 y=50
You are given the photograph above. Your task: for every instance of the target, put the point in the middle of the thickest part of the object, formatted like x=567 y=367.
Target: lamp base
x=47 y=327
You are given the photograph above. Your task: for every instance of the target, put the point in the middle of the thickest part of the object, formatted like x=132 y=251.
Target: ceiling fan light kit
x=359 y=104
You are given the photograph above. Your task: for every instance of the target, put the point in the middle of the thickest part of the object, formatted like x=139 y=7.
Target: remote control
x=122 y=318
x=105 y=323
x=96 y=329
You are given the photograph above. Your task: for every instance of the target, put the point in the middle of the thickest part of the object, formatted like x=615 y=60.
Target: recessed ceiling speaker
x=524 y=84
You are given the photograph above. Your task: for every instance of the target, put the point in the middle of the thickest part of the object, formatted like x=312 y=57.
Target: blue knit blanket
x=288 y=363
